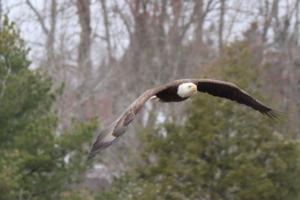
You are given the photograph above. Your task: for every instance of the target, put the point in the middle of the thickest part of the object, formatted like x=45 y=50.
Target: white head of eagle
x=186 y=90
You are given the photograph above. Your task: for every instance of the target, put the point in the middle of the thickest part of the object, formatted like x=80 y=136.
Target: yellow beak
x=194 y=88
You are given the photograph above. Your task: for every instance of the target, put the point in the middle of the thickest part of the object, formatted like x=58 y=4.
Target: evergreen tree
x=224 y=151
x=35 y=161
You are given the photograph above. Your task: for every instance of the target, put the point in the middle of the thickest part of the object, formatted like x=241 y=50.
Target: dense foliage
x=36 y=161
x=224 y=151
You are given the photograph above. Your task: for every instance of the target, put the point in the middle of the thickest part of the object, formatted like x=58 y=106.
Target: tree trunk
x=107 y=34
x=221 y=24
x=84 y=48
x=84 y=60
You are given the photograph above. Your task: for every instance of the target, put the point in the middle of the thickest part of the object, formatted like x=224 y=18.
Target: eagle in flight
x=177 y=91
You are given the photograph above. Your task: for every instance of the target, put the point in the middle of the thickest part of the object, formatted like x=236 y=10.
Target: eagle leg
x=153 y=98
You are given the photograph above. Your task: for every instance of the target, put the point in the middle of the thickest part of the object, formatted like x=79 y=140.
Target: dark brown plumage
x=169 y=93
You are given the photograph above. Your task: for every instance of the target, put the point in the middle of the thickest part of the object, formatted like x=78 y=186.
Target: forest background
x=63 y=62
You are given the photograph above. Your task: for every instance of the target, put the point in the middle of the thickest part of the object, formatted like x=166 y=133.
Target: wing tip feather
x=96 y=149
x=90 y=157
x=277 y=114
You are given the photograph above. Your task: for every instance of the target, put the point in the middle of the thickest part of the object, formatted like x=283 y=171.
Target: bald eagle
x=177 y=91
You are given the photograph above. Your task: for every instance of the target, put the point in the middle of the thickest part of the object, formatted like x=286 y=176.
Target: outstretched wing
x=230 y=91
x=216 y=88
x=114 y=131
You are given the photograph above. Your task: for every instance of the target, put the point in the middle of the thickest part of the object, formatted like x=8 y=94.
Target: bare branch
x=123 y=17
x=233 y=21
x=106 y=25
x=269 y=17
x=40 y=19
